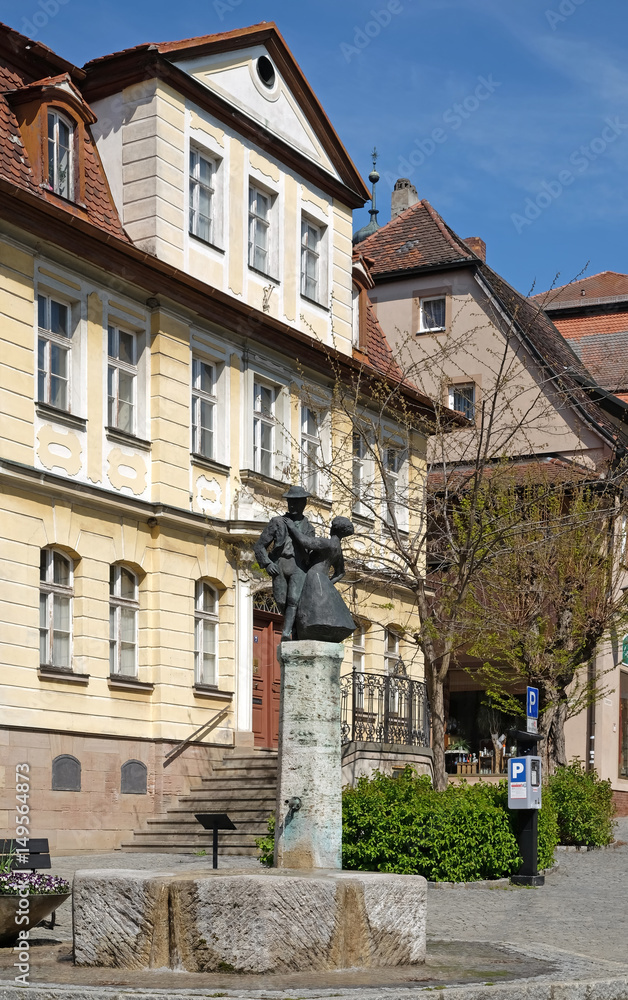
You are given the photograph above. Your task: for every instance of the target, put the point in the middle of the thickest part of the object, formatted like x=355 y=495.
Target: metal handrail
x=384 y=708
x=204 y=729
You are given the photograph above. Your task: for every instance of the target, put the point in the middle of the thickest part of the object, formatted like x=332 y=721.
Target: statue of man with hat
x=286 y=563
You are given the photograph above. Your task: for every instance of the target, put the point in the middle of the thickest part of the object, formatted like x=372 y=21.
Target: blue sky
x=534 y=157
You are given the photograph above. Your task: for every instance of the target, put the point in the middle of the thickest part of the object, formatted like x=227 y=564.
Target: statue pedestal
x=309 y=835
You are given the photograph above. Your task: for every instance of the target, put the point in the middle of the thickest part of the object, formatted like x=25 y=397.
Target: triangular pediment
x=234 y=76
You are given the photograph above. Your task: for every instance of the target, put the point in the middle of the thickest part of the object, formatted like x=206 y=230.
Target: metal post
x=215 y=848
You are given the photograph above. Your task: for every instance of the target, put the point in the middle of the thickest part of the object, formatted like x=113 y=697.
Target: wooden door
x=266 y=679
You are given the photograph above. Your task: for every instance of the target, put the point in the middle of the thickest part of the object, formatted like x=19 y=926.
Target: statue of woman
x=322 y=613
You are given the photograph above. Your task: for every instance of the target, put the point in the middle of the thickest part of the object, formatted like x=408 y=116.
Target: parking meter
x=524 y=783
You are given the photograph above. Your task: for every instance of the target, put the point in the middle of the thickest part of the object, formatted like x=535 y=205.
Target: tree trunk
x=437 y=707
x=556 y=751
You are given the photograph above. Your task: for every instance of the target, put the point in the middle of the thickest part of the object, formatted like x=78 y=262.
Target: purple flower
x=36 y=883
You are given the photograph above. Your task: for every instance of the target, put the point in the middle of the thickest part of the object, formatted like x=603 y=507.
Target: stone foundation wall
x=363 y=758
x=621 y=802
x=100 y=816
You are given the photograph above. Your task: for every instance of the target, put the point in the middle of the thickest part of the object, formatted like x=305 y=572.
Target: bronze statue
x=321 y=612
x=286 y=564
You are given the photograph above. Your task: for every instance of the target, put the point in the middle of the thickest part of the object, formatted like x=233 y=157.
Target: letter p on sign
x=532 y=701
x=518 y=770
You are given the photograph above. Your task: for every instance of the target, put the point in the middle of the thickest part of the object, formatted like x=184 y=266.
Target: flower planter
x=40 y=907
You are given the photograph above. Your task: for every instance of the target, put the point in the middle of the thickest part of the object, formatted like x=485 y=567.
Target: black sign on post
x=215 y=822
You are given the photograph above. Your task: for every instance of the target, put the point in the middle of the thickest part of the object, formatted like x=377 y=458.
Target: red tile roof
x=419 y=238
x=416 y=238
x=196 y=41
x=378 y=349
x=16 y=168
x=574 y=328
x=606 y=357
x=604 y=285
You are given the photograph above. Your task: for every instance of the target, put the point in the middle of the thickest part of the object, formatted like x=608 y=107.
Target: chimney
x=404 y=194
x=477 y=245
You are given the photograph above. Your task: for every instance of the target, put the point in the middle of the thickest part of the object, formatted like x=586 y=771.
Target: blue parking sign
x=532 y=703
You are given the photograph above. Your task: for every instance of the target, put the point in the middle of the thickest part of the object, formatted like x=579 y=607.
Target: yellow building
x=178 y=296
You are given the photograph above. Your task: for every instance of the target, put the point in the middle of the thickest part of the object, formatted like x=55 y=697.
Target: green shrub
x=403 y=825
x=266 y=844
x=584 y=805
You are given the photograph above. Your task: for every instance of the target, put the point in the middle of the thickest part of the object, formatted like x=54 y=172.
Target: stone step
x=241 y=812
x=160 y=840
x=240 y=851
x=245 y=764
x=238 y=780
x=251 y=825
x=228 y=784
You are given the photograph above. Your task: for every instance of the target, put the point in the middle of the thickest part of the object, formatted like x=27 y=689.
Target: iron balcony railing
x=384 y=708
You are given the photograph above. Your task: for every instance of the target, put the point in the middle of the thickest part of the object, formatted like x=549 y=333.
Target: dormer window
x=60 y=155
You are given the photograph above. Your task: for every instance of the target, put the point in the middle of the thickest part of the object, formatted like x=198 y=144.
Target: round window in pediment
x=266 y=72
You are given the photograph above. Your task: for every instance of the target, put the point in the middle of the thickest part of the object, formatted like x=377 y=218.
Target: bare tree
x=541 y=608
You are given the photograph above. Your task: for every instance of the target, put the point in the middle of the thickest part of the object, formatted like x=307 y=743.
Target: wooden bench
x=31 y=857
x=35 y=855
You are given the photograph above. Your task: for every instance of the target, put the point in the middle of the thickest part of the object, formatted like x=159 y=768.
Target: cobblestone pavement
x=582 y=908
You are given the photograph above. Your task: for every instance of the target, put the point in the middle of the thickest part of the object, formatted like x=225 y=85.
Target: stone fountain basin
x=242 y=921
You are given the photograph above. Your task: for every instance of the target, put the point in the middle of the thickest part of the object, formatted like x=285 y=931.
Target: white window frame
x=202 y=621
x=258 y=223
x=392 y=477
x=358 y=649
x=118 y=604
x=53 y=149
x=423 y=326
x=262 y=419
x=391 y=650
x=51 y=595
x=202 y=397
x=48 y=340
x=311 y=450
x=459 y=389
x=195 y=185
x=116 y=365
x=313 y=254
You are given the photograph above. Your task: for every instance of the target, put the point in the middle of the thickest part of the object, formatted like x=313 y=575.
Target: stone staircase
x=244 y=786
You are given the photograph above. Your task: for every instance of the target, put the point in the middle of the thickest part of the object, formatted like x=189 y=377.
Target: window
x=432 y=314
x=55 y=610
x=310 y=449
x=203 y=407
x=462 y=398
x=359 y=451
x=123 y=610
x=392 y=465
x=259 y=229
x=265 y=399
x=205 y=634
x=202 y=189
x=391 y=651
x=121 y=380
x=53 y=352
x=623 y=725
x=60 y=155
x=359 y=649
x=310 y=260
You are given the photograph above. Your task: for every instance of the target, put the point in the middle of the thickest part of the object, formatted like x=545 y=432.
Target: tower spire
x=373 y=225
